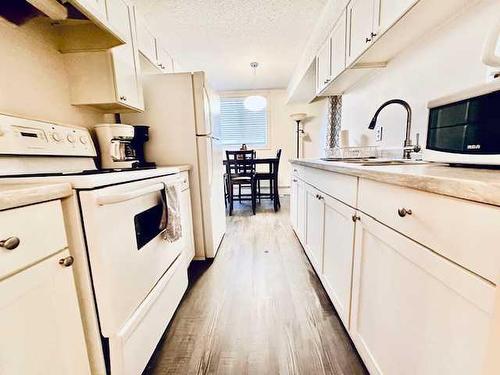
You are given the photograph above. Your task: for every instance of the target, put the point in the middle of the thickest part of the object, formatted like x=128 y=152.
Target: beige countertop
x=475 y=184
x=16 y=195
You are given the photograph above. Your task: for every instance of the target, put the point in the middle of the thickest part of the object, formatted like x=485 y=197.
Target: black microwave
x=465 y=128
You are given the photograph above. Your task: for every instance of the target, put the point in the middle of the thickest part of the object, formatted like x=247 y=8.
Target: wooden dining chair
x=272 y=177
x=240 y=171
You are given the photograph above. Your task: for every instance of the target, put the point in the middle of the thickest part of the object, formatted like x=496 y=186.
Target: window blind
x=239 y=125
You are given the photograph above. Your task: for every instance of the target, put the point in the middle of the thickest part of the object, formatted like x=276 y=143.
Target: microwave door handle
x=112 y=198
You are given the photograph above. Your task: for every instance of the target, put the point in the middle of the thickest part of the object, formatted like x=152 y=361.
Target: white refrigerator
x=183 y=115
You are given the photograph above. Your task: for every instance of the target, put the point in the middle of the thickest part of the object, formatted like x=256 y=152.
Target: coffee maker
x=141 y=136
x=115 y=145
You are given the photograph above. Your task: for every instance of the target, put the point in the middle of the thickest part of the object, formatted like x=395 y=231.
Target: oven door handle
x=105 y=199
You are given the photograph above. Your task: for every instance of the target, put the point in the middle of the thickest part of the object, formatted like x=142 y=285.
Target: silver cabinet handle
x=355 y=218
x=402 y=212
x=10 y=243
x=367 y=40
x=373 y=35
x=67 y=261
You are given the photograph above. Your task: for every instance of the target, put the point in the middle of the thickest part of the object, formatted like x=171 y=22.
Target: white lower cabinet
x=314 y=227
x=187 y=225
x=301 y=211
x=413 y=311
x=409 y=308
x=40 y=324
x=338 y=254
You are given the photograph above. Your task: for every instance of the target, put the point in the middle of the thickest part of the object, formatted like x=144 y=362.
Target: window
x=238 y=124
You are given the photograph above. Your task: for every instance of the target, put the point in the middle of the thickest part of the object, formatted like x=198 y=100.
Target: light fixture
x=298 y=117
x=255 y=102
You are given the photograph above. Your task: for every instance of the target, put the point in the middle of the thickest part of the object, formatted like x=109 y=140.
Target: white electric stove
x=129 y=278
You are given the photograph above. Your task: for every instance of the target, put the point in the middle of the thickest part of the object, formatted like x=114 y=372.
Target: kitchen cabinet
x=360 y=15
x=388 y=12
x=314 y=227
x=301 y=211
x=338 y=247
x=42 y=332
x=411 y=306
x=164 y=60
x=338 y=46
x=109 y=80
x=146 y=41
x=93 y=8
x=119 y=17
x=293 y=202
x=323 y=66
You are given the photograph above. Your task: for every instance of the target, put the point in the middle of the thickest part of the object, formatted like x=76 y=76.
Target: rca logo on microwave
x=473 y=147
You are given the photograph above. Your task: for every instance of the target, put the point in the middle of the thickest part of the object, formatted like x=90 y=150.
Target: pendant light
x=255 y=102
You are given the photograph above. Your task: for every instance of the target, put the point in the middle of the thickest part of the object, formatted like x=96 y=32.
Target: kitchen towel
x=173 y=229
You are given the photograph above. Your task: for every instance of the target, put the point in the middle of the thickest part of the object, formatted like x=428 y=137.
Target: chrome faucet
x=408 y=148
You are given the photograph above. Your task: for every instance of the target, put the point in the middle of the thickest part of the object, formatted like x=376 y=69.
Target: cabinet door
x=323 y=69
x=124 y=60
x=338 y=41
x=146 y=43
x=301 y=211
x=360 y=27
x=187 y=225
x=338 y=248
x=293 y=203
x=387 y=12
x=40 y=321
x=314 y=227
x=118 y=17
x=164 y=59
x=413 y=311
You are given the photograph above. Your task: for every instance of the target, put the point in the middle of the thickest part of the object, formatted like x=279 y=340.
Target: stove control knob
x=83 y=140
x=71 y=138
x=56 y=136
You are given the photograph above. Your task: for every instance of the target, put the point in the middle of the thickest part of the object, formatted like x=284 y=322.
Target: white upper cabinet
x=109 y=80
x=145 y=39
x=389 y=11
x=118 y=17
x=164 y=60
x=360 y=15
x=338 y=41
x=323 y=66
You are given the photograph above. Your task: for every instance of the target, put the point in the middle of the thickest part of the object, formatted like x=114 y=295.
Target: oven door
x=127 y=250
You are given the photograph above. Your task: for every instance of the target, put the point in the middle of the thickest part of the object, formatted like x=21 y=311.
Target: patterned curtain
x=334 y=121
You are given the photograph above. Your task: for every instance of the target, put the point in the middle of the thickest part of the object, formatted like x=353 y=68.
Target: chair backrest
x=278 y=156
x=243 y=168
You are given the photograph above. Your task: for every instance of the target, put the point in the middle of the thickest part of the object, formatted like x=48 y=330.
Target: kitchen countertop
x=16 y=195
x=474 y=184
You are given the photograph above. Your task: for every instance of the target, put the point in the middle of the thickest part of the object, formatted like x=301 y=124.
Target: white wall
x=33 y=80
x=283 y=129
x=446 y=60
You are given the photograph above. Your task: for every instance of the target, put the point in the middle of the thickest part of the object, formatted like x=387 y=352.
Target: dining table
x=272 y=163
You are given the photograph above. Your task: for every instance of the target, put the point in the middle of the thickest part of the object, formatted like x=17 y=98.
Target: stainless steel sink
x=378 y=162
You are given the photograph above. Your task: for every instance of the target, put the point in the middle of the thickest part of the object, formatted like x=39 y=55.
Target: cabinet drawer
x=40 y=229
x=339 y=186
x=462 y=231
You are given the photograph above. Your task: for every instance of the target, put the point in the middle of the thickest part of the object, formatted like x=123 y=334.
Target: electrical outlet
x=379 y=133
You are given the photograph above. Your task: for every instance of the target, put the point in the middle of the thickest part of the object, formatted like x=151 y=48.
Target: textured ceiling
x=222 y=37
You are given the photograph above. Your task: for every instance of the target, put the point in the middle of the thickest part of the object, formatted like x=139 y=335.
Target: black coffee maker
x=141 y=136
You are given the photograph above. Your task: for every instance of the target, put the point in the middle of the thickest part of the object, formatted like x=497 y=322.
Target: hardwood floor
x=259 y=308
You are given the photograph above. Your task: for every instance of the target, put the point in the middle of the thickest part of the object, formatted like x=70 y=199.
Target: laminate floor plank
x=259 y=308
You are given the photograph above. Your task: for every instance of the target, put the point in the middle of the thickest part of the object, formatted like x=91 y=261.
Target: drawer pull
x=66 y=262
x=10 y=243
x=355 y=218
x=403 y=212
